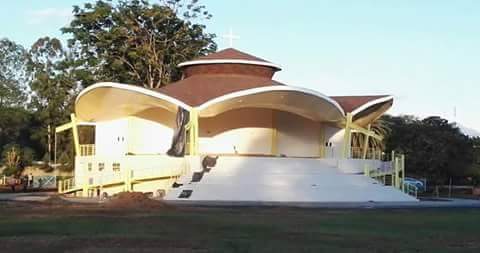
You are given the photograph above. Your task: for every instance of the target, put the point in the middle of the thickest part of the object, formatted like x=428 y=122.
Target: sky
x=424 y=53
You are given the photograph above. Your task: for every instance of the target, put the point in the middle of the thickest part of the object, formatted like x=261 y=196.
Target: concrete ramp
x=283 y=180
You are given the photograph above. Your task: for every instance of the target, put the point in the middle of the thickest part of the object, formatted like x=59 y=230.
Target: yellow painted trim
x=63 y=127
x=322 y=141
x=365 y=143
x=130 y=131
x=274 y=144
x=76 y=140
x=85 y=189
x=193 y=130
x=126 y=180
x=397 y=174
x=347 y=138
x=60 y=186
x=365 y=131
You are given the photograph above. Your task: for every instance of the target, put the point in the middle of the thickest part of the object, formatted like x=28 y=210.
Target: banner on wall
x=179 y=134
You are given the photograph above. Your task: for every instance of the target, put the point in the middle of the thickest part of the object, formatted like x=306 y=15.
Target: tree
x=53 y=88
x=474 y=169
x=434 y=148
x=137 y=42
x=13 y=75
x=379 y=127
x=17 y=125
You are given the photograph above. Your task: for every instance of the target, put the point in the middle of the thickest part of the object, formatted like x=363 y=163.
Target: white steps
x=284 y=180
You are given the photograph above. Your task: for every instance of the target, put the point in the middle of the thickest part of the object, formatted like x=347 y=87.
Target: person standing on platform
x=30 y=180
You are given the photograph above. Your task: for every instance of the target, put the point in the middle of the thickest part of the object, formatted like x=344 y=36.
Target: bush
x=15 y=158
x=11 y=160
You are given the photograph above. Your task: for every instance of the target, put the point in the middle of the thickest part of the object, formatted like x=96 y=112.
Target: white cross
x=230 y=37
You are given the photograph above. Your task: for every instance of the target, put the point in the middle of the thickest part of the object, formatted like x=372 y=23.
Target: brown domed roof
x=230 y=56
x=231 y=53
x=199 y=89
x=229 y=62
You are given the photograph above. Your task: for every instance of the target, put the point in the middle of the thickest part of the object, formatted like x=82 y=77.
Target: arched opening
x=129 y=120
x=269 y=121
x=260 y=132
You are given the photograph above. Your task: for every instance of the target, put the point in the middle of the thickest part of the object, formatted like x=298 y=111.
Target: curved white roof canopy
x=108 y=101
x=371 y=111
x=304 y=102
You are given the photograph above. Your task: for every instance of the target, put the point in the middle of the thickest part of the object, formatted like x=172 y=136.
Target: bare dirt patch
x=57 y=200
x=134 y=200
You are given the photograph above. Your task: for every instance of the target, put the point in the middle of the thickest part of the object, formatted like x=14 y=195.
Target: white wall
x=111 y=137
x=334 y=135
x=149 y=132
x=241 y=131
x=248 y=131
x=297 y=136
x=148 y=137
x=142 y=166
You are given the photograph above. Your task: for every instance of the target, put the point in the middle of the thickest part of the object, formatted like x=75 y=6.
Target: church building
x=227 y=131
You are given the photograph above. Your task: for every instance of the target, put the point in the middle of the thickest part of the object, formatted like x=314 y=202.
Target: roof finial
x=230 y=37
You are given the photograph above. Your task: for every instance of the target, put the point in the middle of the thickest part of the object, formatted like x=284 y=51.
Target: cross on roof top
x=230 y=37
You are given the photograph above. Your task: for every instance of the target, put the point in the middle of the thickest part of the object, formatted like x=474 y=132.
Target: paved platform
x=26 y=196
x=430 y=203
x=439 y=203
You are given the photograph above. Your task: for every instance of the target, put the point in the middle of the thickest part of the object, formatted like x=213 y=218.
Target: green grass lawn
x=80 y=229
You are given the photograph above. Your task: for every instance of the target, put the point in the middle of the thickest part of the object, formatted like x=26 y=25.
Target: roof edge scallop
x=371 y=103
x=230 y=61
x=212 y=101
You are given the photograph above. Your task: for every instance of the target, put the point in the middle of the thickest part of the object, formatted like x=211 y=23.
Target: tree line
x=435 y=149
x=127 y=41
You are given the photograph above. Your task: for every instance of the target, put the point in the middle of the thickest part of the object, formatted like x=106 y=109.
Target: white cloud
x=35 y=17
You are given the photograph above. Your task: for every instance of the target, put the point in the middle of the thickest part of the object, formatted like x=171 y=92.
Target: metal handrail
x=372 y=153
x=66 y=184
x=87 y=149
x=410 y=189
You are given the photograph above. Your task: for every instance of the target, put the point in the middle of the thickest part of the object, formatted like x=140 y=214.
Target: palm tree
x=379 y=127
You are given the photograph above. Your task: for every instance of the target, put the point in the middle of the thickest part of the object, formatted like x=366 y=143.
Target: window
x=116 y=167
x=101 y=166
x=89 y=166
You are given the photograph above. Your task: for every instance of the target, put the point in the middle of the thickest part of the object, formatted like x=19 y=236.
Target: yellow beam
x=347 y=138
x=128 y=181
x=274 y=144
x=365 y=131
x=60 y=186
x=197 y=145
x=76 y=140
x=63 y=127
x=365 y=144
x=193 y=130
x=322 y=141
x=84 y=190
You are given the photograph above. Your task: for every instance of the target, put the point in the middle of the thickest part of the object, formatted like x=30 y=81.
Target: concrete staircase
x=283 y=180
